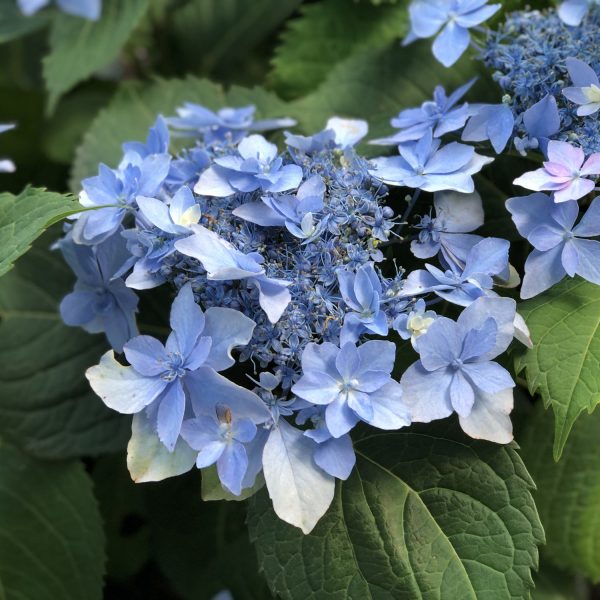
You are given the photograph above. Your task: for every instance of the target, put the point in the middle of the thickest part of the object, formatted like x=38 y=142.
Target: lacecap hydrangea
x=288 y=306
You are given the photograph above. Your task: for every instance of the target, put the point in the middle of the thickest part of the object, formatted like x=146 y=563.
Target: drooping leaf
x=213 y=35
x=52 y=544
x=326 y=33
x=568 y=491
x=564 y=363
x=135 y=107
x=46 y=405
x=24 y=218
x=427 y=513
x=79 y=47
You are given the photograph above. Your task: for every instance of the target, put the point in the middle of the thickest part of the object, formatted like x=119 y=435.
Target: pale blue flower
x=223 y=262
x=354 y=383
x=220 y=439
x=362 y=294
x=572 y=12
x=456 y=215
x=560 y=248
x=426 y=166
x=456 y=372
x=100 y=301
x=566 y=173
x=257 y=166
x=226 y=124
x=411 y=325
x=586 y=90
x=87 y=9
x=113 y=193
x=454 y=18
x=172 y=379
x=441 y=115
x=486 y=259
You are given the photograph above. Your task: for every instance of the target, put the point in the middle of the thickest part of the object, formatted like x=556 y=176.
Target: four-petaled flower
x=354 y=383
x=586 y=90
x=565 y=173
x=455 y=372
x=559 y=248
x=454 y=18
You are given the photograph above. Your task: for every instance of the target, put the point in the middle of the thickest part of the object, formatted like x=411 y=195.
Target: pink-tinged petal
x=557 y=170
x=566 y=154
x=539 y=180
x=576 y=190
x=592 y=165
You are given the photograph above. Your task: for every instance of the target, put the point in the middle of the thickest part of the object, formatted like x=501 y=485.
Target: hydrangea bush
x=329 y=318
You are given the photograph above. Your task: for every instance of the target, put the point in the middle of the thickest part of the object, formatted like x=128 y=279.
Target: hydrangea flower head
x=586 y=90
x=225 y=125
x=427 y=166
x=257 y=166
x=87 y=9
x=100 y=301
x=454 y=18
x=354 y=383
x=456 y=372
x=565 y=173
x=560 y=247
x=441 y=115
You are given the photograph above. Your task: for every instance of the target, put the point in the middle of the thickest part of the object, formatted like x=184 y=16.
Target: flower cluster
x=86 y=9
x=278 y=258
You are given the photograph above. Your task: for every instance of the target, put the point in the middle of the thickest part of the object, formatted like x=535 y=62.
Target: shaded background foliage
x=77 y=91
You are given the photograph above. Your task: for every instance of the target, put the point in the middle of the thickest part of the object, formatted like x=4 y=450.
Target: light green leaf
x=426 y=514
x=136 y=106
x=564 y=363
x=46 y=405
x=79 y=47
x=13 y=24
x=51 y=535
x=327 y=33
x=375 y=84
x=568 y=492
x=213 y=490
x=212 y=35
x=24 y=218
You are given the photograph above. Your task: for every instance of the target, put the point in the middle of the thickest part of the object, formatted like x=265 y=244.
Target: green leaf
x=52 y=539
x=426 y=514
x=79 y=47
x=564 y=363
x=568 y=492
x=24 y=218
x=136 y=106
x=327 y=33
x=376 y=83
x=46 y=405
x=202 y=547
x=212 y=35
x=13 y=24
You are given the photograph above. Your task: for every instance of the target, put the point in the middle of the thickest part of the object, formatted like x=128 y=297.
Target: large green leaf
x=135 y=107
x=564 y=363
x=46 y=405
x=568 y=495
x=327 y=33
x=24 y=218
x=426 y=513
x=213 y=35
x=79 y=47
x=375 y=84
x=51 y=540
